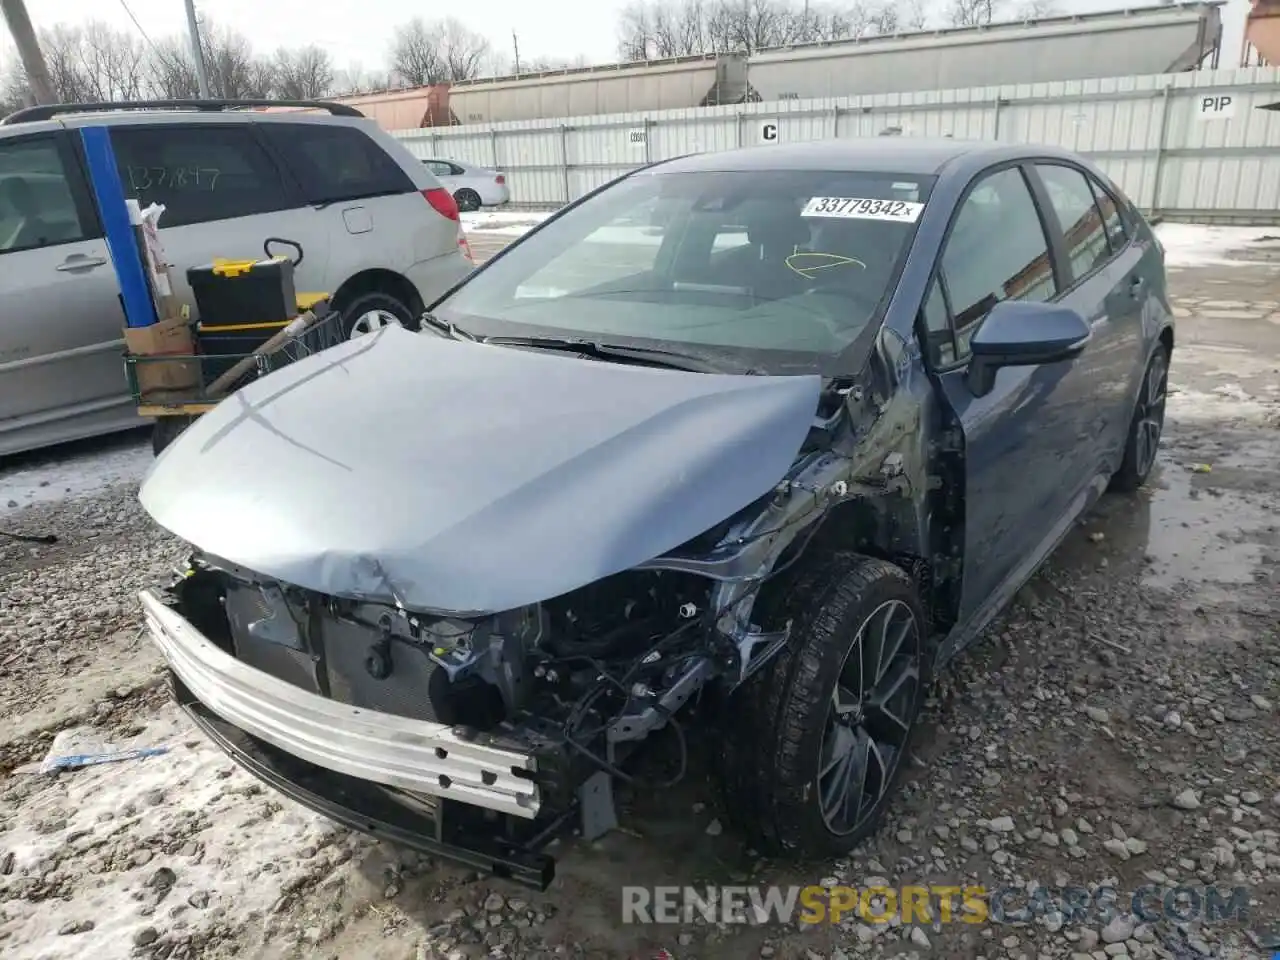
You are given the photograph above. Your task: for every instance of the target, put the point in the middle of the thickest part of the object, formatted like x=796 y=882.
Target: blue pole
x=104 y=177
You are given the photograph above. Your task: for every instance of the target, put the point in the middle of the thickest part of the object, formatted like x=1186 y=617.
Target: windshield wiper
x=671 y=359
x=450 y=328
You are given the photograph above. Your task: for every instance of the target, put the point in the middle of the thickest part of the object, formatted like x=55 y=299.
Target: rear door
x=223 y=194
x=1023 y=468
x=372 y=204
x=61 y=320
x=1102 y=288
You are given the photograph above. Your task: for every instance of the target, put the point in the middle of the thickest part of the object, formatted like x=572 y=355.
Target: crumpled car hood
x=454 y=476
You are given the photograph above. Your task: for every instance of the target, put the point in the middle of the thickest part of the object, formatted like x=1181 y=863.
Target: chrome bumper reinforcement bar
x=397 y=751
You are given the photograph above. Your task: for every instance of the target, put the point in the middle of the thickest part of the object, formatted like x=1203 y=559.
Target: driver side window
x=997 y=250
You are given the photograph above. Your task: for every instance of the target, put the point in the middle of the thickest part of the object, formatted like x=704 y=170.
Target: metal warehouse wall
x=1193 y=146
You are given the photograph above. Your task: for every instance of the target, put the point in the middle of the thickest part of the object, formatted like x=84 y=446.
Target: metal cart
x=219 y=375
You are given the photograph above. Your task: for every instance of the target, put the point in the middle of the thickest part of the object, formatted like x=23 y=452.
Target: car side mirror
x=1019 y=333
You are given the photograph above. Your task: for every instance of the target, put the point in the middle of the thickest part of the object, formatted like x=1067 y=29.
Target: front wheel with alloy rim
x=1146 y=427
x=818 y=738
x=370 y=312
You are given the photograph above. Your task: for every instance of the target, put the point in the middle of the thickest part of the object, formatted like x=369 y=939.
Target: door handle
x=1136 y=286
x=80 y=262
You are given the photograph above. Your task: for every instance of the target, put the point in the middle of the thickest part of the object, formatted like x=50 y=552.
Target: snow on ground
x=1197 y=245
x=504 y=223
x=59 y=476
x=183 y=842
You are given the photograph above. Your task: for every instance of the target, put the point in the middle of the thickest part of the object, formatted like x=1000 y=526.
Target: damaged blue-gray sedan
x=750 y=440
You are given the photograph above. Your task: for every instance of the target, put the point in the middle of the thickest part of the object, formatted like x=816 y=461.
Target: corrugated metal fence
x=1191 y=146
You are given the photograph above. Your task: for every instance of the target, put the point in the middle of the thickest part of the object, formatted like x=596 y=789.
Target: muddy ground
x=1116 y=727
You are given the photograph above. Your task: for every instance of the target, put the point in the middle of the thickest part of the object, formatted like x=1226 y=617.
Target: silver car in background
x=472 y=187
x=379 y=233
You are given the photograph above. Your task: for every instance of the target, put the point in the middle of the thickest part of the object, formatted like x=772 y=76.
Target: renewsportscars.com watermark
x=927 y=904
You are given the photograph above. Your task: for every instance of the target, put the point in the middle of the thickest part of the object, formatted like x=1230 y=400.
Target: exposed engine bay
x=592 y=670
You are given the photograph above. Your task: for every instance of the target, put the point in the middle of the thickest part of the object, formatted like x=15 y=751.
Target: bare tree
x=424 y=53
x=971 y=13
x=1037 y=9
x=652 y=29
x=234 y=71
x=463 y=52
x=636 y=40
x=355 y=80
x=887 y=19
x=914 y=14
x=303 y=74
x=92 y=63
x=111 y=63
x=171 y=74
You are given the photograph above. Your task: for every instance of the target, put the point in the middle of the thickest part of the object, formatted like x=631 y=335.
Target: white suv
x=378 y=231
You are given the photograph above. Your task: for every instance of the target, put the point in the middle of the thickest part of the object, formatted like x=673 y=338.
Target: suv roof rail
x=49 y=111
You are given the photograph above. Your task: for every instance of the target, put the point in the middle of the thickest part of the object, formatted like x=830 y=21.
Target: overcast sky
x=360 y=31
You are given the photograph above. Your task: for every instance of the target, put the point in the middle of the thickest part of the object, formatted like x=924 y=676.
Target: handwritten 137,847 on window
x=174 y=178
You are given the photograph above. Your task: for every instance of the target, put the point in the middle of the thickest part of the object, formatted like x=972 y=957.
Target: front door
x=60 y=326
x=1021 y=478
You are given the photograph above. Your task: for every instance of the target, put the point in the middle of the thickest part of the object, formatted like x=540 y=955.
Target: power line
x=138 y=25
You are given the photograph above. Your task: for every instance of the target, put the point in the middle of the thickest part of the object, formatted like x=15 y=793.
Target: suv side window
x=199 y=172
x=37 y=204
x=335 y=163
x=997 y=250
x=1083 y=232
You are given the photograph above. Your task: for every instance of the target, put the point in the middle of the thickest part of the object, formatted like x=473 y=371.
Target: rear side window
x=37 y=206
x=1117 y=229
x=336 y=163
x=442 y=168
x=199 y=172
x=1083 y=232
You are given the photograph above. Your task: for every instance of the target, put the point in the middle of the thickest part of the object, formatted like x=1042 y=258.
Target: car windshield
x=777 y=270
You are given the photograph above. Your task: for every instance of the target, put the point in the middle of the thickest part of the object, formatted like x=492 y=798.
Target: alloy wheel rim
x=869 y=717
x=372 y=321
x=1151 y=413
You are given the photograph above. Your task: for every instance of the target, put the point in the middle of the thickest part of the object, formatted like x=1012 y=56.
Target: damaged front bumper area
x=410 y=781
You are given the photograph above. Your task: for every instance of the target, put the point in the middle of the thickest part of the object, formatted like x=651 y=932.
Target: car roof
x=125 y=115
x=891 y=154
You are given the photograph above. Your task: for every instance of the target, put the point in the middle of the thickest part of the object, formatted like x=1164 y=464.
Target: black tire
x=357 y=308
x=467 y=200
x=1146 y=426
x=167 y=429
x=777 y=726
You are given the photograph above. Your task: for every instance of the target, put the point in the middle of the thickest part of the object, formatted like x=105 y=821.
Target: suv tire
x=802 y=723
x=373 y=309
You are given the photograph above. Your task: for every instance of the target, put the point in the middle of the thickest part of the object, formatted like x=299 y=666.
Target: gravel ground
x=1115 y=728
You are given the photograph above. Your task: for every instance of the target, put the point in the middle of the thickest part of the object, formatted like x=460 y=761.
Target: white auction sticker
x=858 y=208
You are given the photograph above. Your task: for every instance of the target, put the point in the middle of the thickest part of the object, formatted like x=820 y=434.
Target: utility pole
x=197 y=49
x=515 y=42
x=24 y=38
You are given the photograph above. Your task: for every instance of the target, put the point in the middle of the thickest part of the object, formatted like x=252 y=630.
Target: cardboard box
x=168 y=338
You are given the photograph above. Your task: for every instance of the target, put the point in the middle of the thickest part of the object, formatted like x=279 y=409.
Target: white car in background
x=472 y=187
